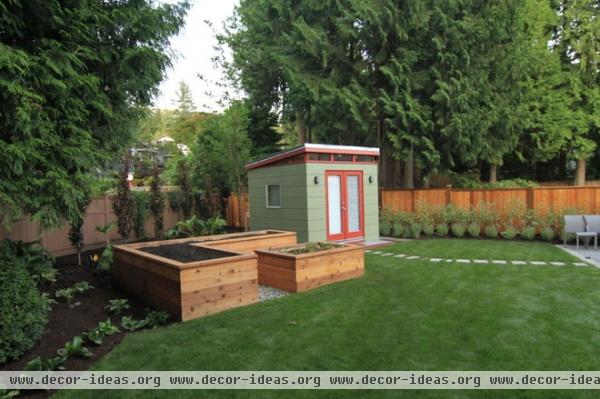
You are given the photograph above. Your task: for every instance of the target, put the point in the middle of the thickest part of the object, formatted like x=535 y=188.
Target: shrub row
x=485 y=219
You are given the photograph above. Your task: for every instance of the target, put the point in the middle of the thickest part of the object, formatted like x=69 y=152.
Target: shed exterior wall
x=292 y=215
x=304 y=202
x=317 y=201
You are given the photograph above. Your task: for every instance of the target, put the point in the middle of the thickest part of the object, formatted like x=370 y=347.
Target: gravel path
x=265 y=293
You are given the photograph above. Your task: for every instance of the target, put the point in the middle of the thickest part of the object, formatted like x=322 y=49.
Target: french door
x=344 y=196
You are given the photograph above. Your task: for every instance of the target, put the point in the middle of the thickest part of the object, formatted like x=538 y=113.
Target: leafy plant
x=398 y=229
x=195 y=227
x=509 y=232
x=155 y=318
x=94 y=336
x=491 y=231
x=117 y=306
x=45 y=364
x=130 y=324
x=74 y=348
x=415 y=230
x=65 y=294
x=385 y=227
x=528 y=232
x=82 y=286
x=547 y=233
x=123 y=202
x=474 y=229
x=458 y=229
x=441 y=229
x=141 y=201
x=428 y=229
x=107 y=328
x=37 y=260
x=311 y=247
x=8 y=393
x=157 y=203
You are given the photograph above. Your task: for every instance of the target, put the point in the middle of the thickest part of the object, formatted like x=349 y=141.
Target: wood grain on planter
x=303 y=272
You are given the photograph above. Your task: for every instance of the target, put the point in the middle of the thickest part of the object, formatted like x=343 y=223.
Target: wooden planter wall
x=303 y=272
x=196 y=289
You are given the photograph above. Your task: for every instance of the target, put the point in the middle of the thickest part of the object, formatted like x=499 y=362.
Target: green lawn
x=403 y=315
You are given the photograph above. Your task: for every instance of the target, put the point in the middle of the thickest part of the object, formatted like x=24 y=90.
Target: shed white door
x=344 y=204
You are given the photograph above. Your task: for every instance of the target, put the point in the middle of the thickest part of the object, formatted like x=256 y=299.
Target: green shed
x=323 y=192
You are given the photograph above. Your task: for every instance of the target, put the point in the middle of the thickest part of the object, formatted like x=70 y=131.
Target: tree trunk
x=409 y=170
x=301 y=126
x=493 y=173
x=580 y=173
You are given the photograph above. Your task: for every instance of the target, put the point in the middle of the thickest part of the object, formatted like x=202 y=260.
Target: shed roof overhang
x=313 y=148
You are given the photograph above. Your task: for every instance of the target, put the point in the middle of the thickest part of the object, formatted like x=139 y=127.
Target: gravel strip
x=265 y=293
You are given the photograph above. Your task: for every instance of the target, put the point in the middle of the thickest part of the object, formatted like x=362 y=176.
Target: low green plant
x=415 y=230
x=310 y=247
x=491 y=231
x=130 y=324
x=8 y=393
x=82 y=286
x=75 y=348
x=458 y=229
x=45 y=364
x=94 y=337
x=398 y=229
x=547 y=233
x=428 y=229
x=65 y=294
x=104 y=263
x=195 y=227
x=474 y=229
x=509 y=232
x=385 y=227
x=528 y=232
x=107 y=328
x=117 y=306
x=155 y=318
x=441 y=229
x=37 y=260
x=141 y=211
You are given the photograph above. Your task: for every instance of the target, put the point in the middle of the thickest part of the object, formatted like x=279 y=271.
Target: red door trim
x=343 y=174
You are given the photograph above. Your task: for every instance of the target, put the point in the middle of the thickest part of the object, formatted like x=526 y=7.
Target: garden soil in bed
x=186 y=253
x=85 y=311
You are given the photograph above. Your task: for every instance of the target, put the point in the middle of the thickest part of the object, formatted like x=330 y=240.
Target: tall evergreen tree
x=74 y=76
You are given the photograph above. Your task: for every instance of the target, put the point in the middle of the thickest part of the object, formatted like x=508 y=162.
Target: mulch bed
x=85 y=311
x=186 y=253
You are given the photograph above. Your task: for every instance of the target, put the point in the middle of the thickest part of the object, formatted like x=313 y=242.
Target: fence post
x=412 y=201
x=530 y=204
x=448 y=194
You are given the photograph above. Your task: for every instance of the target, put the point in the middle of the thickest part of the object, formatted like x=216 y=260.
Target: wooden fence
x=99 y=213
x=541 y=199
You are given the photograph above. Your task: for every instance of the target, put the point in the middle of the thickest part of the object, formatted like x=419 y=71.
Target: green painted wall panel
x=304 y=202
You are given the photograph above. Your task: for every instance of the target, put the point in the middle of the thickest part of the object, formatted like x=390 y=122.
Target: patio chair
x=576 y=224
x=593 y=226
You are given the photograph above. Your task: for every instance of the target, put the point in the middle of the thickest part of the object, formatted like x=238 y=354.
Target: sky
x=194 y=49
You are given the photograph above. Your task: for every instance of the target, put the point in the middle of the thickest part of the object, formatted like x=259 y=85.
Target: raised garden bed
x=311 y=266
x=197 y=276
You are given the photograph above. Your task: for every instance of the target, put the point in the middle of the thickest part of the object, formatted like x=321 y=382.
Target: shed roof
x=313 y=148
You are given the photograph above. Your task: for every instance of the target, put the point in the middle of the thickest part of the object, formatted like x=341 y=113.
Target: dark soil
x=85 y=311
x=186 y=253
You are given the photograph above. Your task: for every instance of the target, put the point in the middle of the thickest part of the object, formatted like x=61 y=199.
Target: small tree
x=75 y=225
x=123 y=204
x=185 y=185
x=157 y=203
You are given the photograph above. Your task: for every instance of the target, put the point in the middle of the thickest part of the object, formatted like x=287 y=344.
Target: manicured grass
x=402 y=315
x=482 y=249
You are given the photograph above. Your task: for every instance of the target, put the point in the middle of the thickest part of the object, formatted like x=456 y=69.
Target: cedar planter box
x=196 y=276
x=296 y=273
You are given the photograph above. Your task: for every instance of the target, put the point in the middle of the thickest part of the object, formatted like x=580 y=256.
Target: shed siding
x=292 y=214
x=316 y=199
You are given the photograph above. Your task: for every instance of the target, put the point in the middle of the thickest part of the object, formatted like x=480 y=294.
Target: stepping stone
x=499 y=262
x=580 y=264
x=435 y=260
x=377 y=252
x=399 y=256
x=449 y=260
x=558 y=263
x=463 y=260
x=412 y=257
x=518 y=262
x=387 y=254
x=368 y=250
x=480 y=261
x=537 y=262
